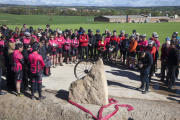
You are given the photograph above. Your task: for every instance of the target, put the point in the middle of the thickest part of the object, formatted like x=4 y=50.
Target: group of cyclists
x=32 y=51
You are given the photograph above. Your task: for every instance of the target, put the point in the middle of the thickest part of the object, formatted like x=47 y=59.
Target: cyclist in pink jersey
x=67 y=47
x=27 y=39
x=75 y=44
x=60 y=43
x=107 y=40
x=144 y=43
x=18 y=63
x=53 y=45
x=38 y=37
x=36 y=68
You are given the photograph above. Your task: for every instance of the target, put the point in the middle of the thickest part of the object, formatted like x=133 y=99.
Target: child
x=47 y=62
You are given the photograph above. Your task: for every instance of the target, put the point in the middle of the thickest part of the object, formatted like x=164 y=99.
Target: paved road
x=122 y=82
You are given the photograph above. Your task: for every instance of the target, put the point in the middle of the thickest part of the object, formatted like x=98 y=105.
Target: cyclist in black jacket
x=124 y=46
x=98 y=38
x=91 y=44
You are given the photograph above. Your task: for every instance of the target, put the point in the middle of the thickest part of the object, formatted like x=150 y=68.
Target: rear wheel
x=82 y=68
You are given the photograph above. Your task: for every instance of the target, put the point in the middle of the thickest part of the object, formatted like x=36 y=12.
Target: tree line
x=81 y=12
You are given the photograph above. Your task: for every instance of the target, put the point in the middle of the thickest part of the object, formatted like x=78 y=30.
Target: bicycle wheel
x=82 y=68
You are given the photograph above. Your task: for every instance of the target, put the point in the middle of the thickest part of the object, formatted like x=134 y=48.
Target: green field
x=163 y=29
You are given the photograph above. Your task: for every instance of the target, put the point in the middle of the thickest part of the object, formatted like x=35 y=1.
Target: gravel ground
x=56 y=107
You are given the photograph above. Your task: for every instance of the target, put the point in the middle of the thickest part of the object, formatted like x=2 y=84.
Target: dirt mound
x=56 y=107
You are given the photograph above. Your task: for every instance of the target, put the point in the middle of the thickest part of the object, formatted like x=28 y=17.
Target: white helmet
x=122 y=31
x=137 y=34
x=39 y=35
x=154 y=33
x=59 y=32
x=111 y=49
x=27 y=34
x=150 y=42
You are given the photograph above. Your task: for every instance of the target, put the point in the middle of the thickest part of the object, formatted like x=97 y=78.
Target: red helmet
x=152 y=38
x=22 y=34
x=15 y=36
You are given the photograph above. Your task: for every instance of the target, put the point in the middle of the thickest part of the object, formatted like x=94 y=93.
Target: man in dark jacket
x=48 y=29
x=164 y=53
x=172 y=63
x=25 y=27
x=25 y=54
x=146 y=59
x=92 y=42
x=98 y=38
x=5 y=30
x=124 y=46
x=42 y=50
x=1 y=65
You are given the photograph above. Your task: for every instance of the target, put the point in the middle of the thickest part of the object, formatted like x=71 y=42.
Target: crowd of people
x=27 y=53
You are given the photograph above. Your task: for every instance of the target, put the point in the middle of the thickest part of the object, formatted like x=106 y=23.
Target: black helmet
x=126 y=35
x=174 y=35
x=114 y=31
x=31 y=28
x=89 y=30
x=134 y=31
x=74 y=35
x=36 y=47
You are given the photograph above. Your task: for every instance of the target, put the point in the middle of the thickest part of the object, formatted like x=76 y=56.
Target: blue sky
x=133 y=3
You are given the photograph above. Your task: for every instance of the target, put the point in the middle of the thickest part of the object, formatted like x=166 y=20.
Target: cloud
x=132 y=3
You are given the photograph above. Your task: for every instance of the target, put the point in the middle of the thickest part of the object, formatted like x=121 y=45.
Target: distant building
x=137 y=18
x=122 y=18
x=85 y=10
x=73 y=9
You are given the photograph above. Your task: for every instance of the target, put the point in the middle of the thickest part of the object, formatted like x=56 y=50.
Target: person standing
x=164 y=53
x=98 y=38
x=121 y=37
x=75 y=44
x=124 y=47
x=105 y=34
x=145 y=65
x=114 y=42
x=132 y=51
x=1 y=65
x=60 y=43
x=172 y=63
x=152 y=50
x=92 y=42
x=83 y=42
x=36 y=67
x=25 y=27
x=107 y=39
x=5 y=30
x=101 y=48
x=18 y=63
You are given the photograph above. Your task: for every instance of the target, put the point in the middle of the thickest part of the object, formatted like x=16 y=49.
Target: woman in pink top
x=60 y=43
x=38 y=37
x=53 y=44
x=32 y=35
x=67 y=47
x=1 y=45
x=144 y=43
x=27 y=39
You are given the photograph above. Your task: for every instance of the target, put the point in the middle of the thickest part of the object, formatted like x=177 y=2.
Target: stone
x=92 y=89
